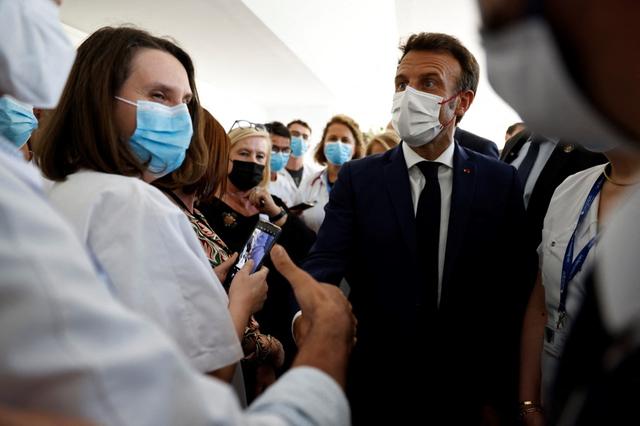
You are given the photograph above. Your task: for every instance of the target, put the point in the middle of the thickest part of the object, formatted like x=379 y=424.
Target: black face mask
x=246 y=174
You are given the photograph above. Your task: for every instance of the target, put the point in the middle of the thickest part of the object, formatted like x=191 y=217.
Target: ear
x=466 y=98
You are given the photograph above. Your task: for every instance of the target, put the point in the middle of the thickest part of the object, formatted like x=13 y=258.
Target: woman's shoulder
x=575 y=185
x=111 y=190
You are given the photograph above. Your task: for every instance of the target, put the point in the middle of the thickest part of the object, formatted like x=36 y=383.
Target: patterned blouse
x=258 y=348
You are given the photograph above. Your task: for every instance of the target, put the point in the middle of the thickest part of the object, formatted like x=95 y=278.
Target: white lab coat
x=69 y=347
x=284 y=188
x=154 y=261
x=314 y=189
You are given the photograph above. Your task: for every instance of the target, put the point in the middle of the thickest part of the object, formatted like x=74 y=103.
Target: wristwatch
x=277 y=217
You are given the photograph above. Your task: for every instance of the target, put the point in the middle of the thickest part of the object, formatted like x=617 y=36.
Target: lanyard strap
x=571 y=266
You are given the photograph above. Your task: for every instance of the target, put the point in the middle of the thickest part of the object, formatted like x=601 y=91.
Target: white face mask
x=35 y=54
x=526 y=69
x=416 y=116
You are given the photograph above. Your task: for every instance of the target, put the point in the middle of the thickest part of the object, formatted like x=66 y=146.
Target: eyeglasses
x=277 y=149
x=244 y=124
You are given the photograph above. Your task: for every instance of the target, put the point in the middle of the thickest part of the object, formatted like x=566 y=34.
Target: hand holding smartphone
x=299 y=208
x=260 y=242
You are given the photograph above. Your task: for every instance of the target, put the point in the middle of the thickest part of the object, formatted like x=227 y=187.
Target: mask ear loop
x=445 y=101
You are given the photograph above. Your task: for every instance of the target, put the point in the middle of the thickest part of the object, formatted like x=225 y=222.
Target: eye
x=260 y=156
x=401 y=86
x=159 y=96
x=428 y=84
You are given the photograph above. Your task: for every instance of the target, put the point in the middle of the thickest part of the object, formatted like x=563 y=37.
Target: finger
x=262 y=273
x=224 y=266
x=298 y=278
x=247 y=268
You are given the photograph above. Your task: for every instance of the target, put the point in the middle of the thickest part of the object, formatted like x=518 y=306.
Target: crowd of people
x=420 y=274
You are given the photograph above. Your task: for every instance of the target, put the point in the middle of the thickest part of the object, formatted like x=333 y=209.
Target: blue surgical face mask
x=278 y=161
x=162 y=135
x=17 y=121
x=298 y=146
x=338 y=153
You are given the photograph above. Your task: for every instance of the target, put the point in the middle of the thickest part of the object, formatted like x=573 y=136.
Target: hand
x=223 y=269
x=262 y=200
x=247 y=290
x=300 y=329
x=332 y=326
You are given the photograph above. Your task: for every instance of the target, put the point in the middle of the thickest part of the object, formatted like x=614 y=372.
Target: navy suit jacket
x=476 y=143
x=369 y=237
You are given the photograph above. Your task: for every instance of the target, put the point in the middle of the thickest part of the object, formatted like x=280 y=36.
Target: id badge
x=554 y=341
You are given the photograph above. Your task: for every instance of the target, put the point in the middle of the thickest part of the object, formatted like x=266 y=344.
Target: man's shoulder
x=488 y=164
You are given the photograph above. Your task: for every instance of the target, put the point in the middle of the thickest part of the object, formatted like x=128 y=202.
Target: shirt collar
x=412 y=158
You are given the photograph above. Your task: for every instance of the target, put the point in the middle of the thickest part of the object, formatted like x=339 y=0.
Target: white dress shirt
x=559 y=224
x=546 y=149
x=154 y=261
x=65 y=335
x=284 y=188
x=445 y=179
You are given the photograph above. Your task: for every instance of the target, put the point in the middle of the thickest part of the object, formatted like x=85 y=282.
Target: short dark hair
x=513 y=127
x=81 y=132
x=278 y=129
x=300 y=122
x=439 y=42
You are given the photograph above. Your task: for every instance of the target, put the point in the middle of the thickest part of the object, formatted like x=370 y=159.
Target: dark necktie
x=428 y=233
x=524 y=170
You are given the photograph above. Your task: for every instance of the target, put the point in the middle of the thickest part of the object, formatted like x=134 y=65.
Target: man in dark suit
x=476 y=143
x=551 y=163
x=417 y=232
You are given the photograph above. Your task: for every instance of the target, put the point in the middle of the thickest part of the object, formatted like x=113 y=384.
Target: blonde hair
x=236 y=135
x=388 y=140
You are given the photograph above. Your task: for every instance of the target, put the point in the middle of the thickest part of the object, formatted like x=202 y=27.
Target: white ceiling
x=284 y=59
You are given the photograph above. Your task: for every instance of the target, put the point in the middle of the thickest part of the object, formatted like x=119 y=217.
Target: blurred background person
x=382 y=142
x=341 y=141
x=280 y=185
x=298 y=169
x=513 y=130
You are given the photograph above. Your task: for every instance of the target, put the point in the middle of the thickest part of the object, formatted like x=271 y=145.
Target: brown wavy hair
x=358 y=150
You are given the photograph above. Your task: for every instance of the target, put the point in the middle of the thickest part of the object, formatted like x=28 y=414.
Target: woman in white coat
x=577 y=214
x=341 y=142
x=126 y=118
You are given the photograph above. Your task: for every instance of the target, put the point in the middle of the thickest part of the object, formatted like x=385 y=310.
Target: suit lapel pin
x=568 y=148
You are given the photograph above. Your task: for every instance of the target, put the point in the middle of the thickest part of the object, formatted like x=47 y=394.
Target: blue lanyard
x=571 y=266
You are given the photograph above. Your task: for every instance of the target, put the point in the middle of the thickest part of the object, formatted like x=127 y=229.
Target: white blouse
x=154 y=261
x=314 y=190
x=559 y=224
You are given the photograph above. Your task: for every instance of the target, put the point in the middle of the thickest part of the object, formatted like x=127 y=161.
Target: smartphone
x=260 y=242
x=302 y=206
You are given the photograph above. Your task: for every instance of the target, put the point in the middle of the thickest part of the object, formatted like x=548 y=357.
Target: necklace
x=608 y=178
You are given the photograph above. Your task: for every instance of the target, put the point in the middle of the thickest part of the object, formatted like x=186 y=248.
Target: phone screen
x=257 y=246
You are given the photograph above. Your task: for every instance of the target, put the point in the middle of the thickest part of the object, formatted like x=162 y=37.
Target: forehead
x=252 y=143
x=418 y=62
x=299 y=128
x=339 y=129
x=279 y=140
x=150 y=66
